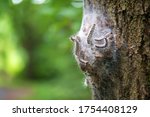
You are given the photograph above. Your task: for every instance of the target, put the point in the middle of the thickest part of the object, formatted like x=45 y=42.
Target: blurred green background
x=36 y=60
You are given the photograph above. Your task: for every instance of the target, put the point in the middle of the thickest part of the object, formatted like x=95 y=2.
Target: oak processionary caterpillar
x=94 y=43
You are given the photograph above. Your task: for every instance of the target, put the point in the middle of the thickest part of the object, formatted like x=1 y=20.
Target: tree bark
x=112 y=48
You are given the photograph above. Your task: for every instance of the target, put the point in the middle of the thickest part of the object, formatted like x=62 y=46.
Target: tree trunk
x=112 y=48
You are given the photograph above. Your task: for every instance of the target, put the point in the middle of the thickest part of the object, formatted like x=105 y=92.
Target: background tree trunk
x=113 y=48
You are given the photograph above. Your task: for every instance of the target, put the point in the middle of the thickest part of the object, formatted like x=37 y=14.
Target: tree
x=112 y=48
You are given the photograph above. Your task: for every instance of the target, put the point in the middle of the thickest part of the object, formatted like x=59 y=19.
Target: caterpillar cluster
x=94 y=43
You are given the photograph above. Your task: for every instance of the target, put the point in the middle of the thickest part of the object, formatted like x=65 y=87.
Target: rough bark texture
x=112 y=48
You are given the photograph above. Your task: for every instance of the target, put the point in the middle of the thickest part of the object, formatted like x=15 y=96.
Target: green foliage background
x=36 y=60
